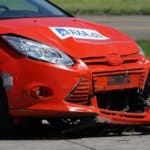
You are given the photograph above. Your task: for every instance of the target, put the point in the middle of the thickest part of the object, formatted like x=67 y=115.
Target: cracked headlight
x=38 y=50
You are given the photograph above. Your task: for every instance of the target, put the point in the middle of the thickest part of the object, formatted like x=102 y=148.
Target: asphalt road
x=137 y=27
x=105 y=143
x=44 y=139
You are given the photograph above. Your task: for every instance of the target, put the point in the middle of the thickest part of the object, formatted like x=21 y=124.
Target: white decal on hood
x=78 y=33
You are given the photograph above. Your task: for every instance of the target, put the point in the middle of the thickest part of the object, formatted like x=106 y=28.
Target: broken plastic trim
x=7 y=80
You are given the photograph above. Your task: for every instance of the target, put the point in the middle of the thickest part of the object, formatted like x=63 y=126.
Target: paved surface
x=136 y=26
x=45 y=139
x=106 y=143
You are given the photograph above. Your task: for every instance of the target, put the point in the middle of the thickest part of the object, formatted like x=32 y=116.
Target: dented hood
x=76 y=37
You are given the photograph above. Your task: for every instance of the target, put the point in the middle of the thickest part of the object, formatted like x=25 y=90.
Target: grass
x=145 y=44
x=101 y=7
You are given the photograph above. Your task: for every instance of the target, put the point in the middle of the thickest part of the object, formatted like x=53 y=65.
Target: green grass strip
x=101 y=7
x=145 y=44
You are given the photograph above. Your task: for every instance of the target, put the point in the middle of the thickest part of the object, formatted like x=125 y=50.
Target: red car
x=63 y=69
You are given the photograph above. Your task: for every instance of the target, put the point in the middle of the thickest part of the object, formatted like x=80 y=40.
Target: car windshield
x=29 y=9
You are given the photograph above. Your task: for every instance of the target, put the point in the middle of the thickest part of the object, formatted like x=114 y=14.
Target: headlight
x=38 y=51
x=141 y=50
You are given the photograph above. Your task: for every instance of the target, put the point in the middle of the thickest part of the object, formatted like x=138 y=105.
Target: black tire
x=5 y=119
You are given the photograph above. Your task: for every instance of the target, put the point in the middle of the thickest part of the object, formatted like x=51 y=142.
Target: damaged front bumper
x=123 y=118
x=124 y=99
x=116 y=94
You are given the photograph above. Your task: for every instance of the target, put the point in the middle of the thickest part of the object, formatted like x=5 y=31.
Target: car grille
x=80 y=94
x=104 y=60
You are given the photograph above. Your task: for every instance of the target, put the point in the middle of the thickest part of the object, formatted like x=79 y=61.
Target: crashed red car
x=58 y=67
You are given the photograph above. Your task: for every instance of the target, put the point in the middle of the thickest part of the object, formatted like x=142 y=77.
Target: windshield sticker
x=77 y=33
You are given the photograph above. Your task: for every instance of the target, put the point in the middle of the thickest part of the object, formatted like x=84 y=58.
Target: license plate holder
x=118 y=79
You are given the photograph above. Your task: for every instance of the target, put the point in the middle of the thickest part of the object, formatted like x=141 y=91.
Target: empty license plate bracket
x=118 y=79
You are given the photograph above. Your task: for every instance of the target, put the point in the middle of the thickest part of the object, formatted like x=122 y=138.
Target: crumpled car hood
x=76 y=37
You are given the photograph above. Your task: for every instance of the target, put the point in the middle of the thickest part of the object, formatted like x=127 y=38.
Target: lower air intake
x=80 y=94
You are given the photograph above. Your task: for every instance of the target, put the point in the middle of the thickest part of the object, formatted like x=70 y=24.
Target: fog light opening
x=41 y=92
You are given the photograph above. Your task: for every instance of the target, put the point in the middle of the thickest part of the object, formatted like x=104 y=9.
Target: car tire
x=5 y=118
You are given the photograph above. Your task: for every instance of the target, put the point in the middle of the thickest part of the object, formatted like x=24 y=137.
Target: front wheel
x=5 y=118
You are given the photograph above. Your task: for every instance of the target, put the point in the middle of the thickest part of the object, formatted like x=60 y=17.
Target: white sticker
x=77 y=33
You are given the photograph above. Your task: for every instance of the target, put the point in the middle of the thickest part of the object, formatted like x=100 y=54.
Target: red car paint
x=101 y=66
